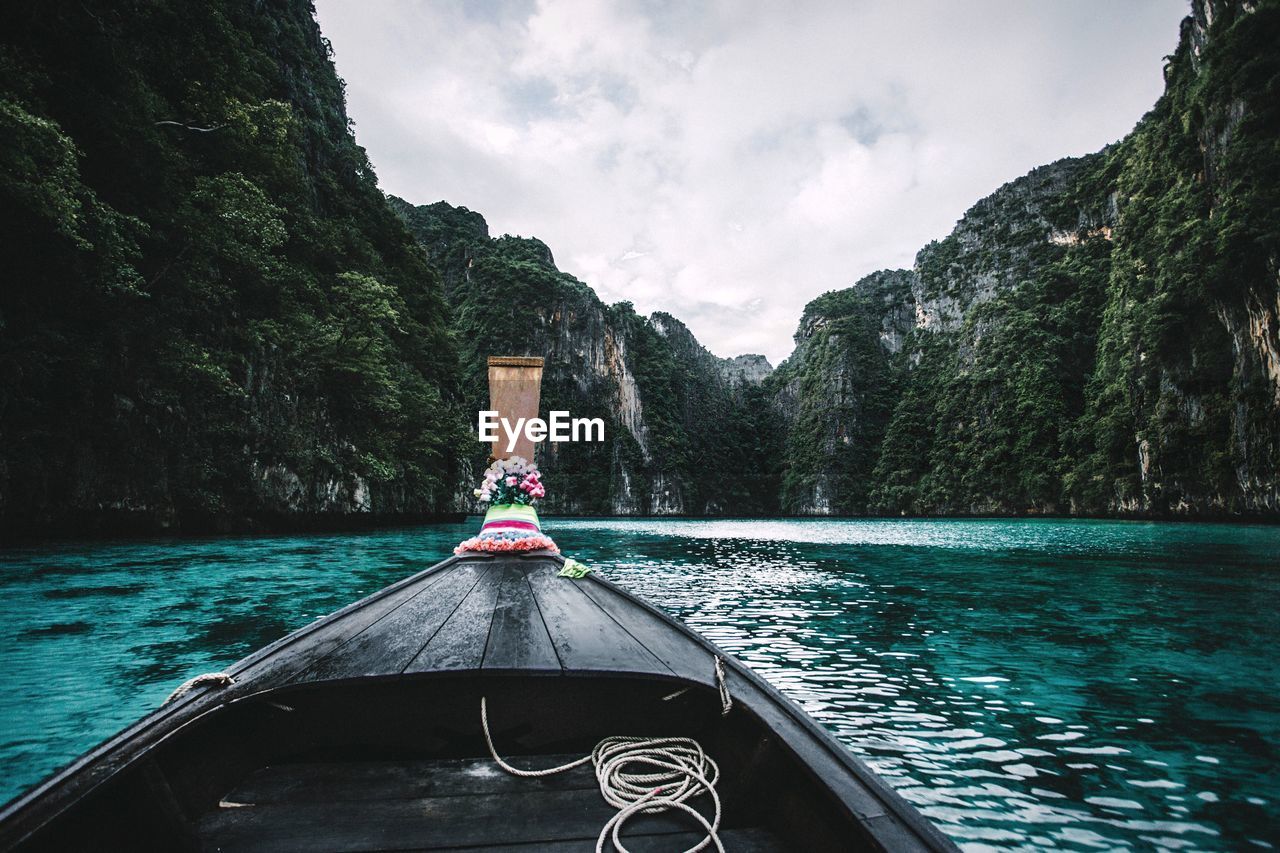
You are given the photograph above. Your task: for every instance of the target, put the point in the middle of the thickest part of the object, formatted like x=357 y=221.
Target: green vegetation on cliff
x=671 y=415
x=211 y=314
x=213 y=318
x=1182 y=410
x=839 y=387
x=1101 y=336
x=986 y=423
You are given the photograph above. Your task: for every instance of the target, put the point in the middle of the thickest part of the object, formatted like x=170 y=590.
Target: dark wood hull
x=361 y=732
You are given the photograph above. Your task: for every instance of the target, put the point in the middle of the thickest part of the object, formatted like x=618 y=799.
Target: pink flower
x=511 y=481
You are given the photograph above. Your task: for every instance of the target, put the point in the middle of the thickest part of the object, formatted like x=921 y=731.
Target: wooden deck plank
x=460 y=642
x=682 y=655
x=518 y=638
x=387 y=646
x=422 y=823
x=304 y=651
x=388 y=780
x=585 y=637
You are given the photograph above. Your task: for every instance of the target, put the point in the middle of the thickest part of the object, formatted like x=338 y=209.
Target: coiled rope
x=677 y=769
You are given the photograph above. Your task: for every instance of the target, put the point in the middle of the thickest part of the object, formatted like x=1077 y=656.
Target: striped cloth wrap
x=509 y=527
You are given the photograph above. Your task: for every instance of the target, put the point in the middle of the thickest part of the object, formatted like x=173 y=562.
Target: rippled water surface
x=1079 y=684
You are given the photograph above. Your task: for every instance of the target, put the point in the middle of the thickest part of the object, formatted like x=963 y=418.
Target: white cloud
x=729 y=161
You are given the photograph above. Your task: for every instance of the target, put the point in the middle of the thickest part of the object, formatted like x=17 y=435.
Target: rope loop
x=641 y=775
x=208 y=679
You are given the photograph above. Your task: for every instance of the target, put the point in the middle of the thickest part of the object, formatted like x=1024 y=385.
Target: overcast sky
x=729 y=161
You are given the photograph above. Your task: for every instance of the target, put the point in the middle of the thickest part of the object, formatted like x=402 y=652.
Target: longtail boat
x=425 y=716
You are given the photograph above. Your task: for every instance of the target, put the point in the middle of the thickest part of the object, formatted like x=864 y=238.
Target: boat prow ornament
x=511 y=523
x=512 y=483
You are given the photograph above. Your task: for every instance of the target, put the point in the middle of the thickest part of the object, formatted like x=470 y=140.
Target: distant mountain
x=679 y=420
x=749 y=369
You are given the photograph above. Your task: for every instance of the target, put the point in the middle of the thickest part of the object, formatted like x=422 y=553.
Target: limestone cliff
x=671 y=409
x=836 y=391
x=215 y=320
x=1099 y=336
x=748 y=369
x=211 y=318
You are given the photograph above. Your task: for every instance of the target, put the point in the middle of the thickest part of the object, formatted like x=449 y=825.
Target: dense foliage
x=1101 y=336
x=839 y=387
x=1182 y=408
x=986 y=421
x=670 y=413
x=210 y=311
x=212 y=317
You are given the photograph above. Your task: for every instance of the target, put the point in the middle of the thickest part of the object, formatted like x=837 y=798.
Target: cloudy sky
x=729 y=160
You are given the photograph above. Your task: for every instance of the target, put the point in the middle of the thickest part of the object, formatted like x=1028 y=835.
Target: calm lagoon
x=1077 y=684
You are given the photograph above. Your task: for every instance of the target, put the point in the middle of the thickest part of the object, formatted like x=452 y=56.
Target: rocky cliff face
x=218 y=321
x=749 y=369
x=1099 y=336
x=211 y=317
x=1182 y=410
x=918 y=381
x=672 y=409
x=997 y=243
x=836 y=391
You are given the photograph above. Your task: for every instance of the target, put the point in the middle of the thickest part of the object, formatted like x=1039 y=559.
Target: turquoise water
x=1076 y=684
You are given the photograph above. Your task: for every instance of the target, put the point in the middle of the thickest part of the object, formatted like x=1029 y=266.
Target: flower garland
x=511 y=481
x=511 y=523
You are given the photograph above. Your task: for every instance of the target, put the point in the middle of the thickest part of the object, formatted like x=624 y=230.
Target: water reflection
x=1026 y=684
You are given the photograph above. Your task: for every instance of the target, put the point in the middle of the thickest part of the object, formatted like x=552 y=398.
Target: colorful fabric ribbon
x=509 y=527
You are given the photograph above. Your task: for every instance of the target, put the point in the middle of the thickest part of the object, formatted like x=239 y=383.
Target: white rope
x=516 y=771
x=676 y=769
x=215 y=679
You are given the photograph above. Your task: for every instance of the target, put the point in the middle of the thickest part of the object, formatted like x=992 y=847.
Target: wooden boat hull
x=361 y=732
